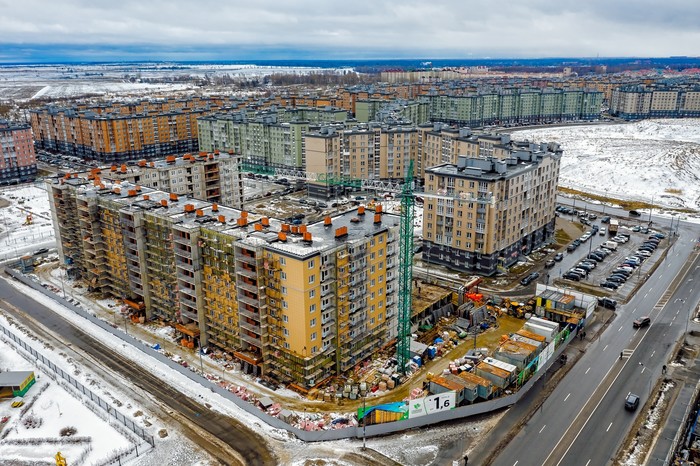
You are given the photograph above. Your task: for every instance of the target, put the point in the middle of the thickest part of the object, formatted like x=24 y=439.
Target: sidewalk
x=682 y=407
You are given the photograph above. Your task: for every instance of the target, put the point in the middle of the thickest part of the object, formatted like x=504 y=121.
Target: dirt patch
x=4 y=202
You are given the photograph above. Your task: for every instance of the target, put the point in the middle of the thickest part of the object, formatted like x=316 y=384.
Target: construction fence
x=359 y=431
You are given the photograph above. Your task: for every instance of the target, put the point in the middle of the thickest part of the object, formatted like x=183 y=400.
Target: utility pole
x=364 y=422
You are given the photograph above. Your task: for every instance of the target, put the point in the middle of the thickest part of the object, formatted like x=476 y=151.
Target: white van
x=612 y=245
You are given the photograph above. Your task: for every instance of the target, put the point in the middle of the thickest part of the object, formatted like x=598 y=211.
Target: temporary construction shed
x=15 y=383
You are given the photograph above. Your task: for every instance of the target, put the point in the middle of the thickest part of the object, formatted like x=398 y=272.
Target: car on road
x=603 y=231
x=530 y=278
x=636 y=228
x=631 y=402
x=607 y=303
x=641 y=322
x=571 y=248
x=592 y=216
x=605 y=219
x=559 y=257
x=549 y=263
x=41 y=251
x=634 y=213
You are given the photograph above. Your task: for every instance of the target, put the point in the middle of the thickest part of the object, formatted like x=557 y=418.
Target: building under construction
x=299 y=303
x=213 y=177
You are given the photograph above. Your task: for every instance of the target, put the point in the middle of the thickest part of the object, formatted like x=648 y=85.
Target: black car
x=571 y=248
x=631 y=402
x=610 y=285
x=605 y=219
x=641 y=322
x=618 y=280
x=607 y=303
x=572 y=276
x=634 y=213
x=41 y=251
x=576 y=242
x=595 y=257
x=585 y=266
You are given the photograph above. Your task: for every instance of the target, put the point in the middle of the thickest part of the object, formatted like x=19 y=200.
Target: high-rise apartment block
x=17 y=157
x=485 y=211
x=299 y=303
x=659 y=100
x=117 y=132
x=213 y=177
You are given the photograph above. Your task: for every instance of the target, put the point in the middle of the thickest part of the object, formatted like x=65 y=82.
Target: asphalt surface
x=243 y=442
x=583 y=421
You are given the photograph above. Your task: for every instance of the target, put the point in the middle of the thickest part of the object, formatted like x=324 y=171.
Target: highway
x=226 y=439
x=583 y=421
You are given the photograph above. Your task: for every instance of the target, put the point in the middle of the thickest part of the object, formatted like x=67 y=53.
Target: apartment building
x=343 y=158
x=213 y=177
x=258 y=138
x=17 y=157
x=482 y=213
x=296 y=303
x=117 y=132
x=657 y=100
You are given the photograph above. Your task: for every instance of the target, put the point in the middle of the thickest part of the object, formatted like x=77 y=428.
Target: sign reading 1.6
x=431 y=404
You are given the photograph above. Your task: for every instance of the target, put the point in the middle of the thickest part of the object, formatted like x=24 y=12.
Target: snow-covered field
x=649 y=160
x=17 y=235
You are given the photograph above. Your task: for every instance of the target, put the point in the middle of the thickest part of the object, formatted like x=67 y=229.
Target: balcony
x=247 y=286
x=247 y=273
x=248 y=259
x=249 y=314
x=189 y=314
x=253 y=340
x=251 y=327
x=250 y=301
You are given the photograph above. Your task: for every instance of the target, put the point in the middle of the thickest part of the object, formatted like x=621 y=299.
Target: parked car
x=634 y=213
x=641 y=322
x=607 y=303
x=631 y=402
x=572 y=276
x=571 y=248
x=609 y=285
x=41 y=251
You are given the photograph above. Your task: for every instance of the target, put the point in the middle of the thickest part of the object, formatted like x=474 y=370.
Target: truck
x=614 y=225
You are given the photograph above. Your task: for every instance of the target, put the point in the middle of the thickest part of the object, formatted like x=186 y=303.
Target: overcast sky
x=232 y=29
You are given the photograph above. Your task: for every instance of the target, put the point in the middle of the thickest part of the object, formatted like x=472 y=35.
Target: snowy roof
x=14 y=378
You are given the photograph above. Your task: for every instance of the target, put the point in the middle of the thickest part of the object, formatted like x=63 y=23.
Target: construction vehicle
x=29 y=219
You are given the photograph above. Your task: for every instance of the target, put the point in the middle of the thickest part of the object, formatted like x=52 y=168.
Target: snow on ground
x=645 y=160
x=29 y=436
x=80 y=88
x=16 y=237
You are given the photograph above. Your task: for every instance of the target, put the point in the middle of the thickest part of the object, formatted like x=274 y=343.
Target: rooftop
x=14 y=378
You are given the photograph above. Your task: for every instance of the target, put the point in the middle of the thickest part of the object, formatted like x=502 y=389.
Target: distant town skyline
x=39 y=31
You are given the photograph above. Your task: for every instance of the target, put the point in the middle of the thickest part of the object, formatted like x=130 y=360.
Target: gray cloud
x=467 y=28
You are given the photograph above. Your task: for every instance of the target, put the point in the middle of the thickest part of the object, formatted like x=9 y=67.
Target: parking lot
x=620 y=261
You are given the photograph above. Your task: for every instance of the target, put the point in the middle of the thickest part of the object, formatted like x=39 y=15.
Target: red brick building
x=17 y=156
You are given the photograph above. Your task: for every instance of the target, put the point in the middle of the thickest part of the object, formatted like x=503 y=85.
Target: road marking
x=543 y=428
x=567 y=397
x=588 y=370
x=674 y=318
x=608 y=427
x=606 y=347
x=515 y=463
x=650 y=290
x=670 y=323
x=589 y=462
x=566 y=451
x=678 y=311
x=619 y=328
x=646 y=295
x=643 y=369
x=652 y=354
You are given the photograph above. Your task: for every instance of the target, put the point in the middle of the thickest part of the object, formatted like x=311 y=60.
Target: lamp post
x=651 y=209
x=606 y=200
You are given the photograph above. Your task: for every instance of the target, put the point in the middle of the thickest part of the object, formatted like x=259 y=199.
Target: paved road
x=232 y=434
x=578 y=413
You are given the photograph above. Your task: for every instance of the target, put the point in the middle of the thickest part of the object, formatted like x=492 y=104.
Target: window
x=283 y=261
x=313 y=337
x=286 y=332
x=314 y=349
x=283 y=275
x=312 y=294
x=312 y=308
x=311 y=264
x=312 y=279
x=313 y=322
x=285 y=318
x=284 y=290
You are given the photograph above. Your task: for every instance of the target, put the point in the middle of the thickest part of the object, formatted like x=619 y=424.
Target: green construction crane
x=405 y=271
